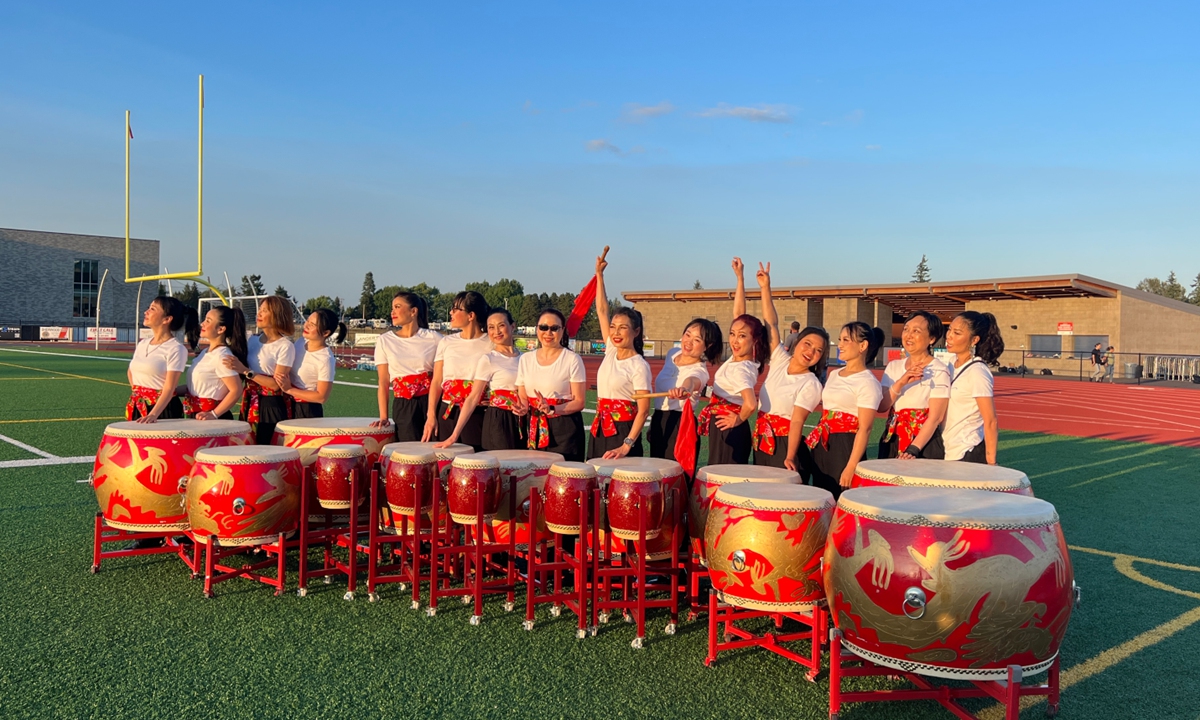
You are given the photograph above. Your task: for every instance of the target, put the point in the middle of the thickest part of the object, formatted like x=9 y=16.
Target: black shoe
x=145 y=544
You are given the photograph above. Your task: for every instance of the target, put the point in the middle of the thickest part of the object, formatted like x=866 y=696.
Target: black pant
x=503 y=430
x=472 y=432
x=409 y=415
x=304 y=410
x=730 y=446
x=272 y=410
x=664 y=431
x=567 y=437
x=933 y=450
x=977 y=454
x=602 y=443
x=829 y=463
x=782 y=446
x=173 y=410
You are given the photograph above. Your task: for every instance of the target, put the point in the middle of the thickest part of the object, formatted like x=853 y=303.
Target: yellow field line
x=45 y=420
x=1148 y=561
x=1116 y=474
x=35 y=378
x=56 y=372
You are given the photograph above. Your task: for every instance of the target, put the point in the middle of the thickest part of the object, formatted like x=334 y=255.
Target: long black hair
x=635 y=323
x=234 y=335
x=182 y=318
x=760 y=348
x=862 y=332
x=472 y=302
x=818 y=368
x=418 y=302
x=328 y=325
x=937 y=330
x=561 y=319
x=711 y=332
x=984 y=327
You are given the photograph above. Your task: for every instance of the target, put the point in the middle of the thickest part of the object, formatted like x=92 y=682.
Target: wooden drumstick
x=649 y=396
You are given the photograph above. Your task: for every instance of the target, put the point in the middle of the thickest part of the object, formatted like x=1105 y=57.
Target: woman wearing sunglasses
x=553 y=383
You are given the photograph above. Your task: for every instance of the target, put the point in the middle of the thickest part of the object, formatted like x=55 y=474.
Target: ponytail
x=234 y=335
x=182 y=318
x=984 y=326
x=418 y=302
x=328 y=326
x=872 y=336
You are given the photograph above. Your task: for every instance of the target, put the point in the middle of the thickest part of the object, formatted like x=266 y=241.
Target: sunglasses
x=549 y=328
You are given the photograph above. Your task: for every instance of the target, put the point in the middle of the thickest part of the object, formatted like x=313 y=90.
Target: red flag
x=583 y=303
x=685 y=440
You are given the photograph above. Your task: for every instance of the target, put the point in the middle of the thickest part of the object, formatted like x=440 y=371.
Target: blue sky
x=453 y=143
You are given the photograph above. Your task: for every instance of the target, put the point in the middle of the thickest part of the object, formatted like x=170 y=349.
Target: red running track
x=1134 y=413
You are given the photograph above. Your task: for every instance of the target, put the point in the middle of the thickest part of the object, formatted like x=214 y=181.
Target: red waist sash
x=250 y=395
x=454 y=393
x=504 y=399
x=609 y=412
x=539 y=428
x=717 y=406
x=411 y=386
x=769 y=427
x=832 y=422
x=905 y=425
x=142 y=400
x=193 y=405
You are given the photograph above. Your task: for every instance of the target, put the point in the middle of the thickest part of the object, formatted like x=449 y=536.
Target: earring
x=972 y=349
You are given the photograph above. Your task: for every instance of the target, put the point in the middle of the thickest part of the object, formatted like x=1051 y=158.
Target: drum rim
x=405 y=458
x=147 y=431
x=573 y=470
x=342 y=451
x=944 y=671
x=526 y=463
x=633 y=463
x=476 y=461
x=729 y=496
x=215 y=456
x=776 y=475
x=866 y=471
x=636 y=475
x=288 y=427
x=1042 y=514
x=446 y=453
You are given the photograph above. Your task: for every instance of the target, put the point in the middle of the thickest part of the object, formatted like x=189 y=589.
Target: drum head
x=572 y=470
x=636 y=475
x=425 y=448
x=332 y=426
x=476 y=461
x=721 y=474
x=177 y=429
x=247 y=455
x=342 y=451
x=665 y=468
x=516 y=459
x=774 y=496
x=939 y=473
x=948 y=507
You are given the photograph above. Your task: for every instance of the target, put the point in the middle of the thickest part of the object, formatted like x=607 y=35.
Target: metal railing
x=1121 y=367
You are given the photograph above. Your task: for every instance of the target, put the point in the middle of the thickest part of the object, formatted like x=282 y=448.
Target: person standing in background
x=1097 y=364
x=793 y=337
x=1110 y=364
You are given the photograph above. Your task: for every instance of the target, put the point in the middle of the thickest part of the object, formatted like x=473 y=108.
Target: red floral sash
x=609 y=412
x=250 y=395
x=193 y=405
x=715 y=406
x=539 y=428
x=769 y=427
x=454 y=393
x=504 y=399
x=141 y=401
x=906 y=426
x=411 y=386
x=832 y=422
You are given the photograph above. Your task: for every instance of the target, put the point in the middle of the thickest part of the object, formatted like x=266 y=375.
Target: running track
x=1166 y=416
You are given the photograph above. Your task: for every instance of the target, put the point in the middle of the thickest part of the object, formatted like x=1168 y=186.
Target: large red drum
x=672 y=479
x=337 y=466
x=568 y=485
x=530 y=469
x=711 y=477
x=949 y=583
x=938 y=473
x=764 y=545
x=629 y=491
x=472 y=476
x=142 y=469
x=410 y=449
x=309 y=435
x=244 y=495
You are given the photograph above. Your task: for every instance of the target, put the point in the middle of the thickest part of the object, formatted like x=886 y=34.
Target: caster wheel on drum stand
x=593 y=630
x=669 y=629
x=508 y=607
x=637 y=643
x=628 y=618
x=429 y=611
x=348 y=596
x=581 y=634
x=475 y=619
x=195 y=576
x=403 y=587
x=528 y=625
x=302 y=592
x=1051 y=711
x=328 y=580
x=603 y=618
x=372 y=597
x=96 y=569
x=691 y=616
x=555 y=610
x=467 y=599
x=208 y=596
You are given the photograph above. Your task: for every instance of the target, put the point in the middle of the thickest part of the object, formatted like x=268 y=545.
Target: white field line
x=79 y=460
x=71 y=355
x=26 y=448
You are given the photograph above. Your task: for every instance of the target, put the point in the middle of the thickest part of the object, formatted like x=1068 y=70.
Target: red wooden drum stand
x=814 y=621
x=473 y=494
x=566 y=507
x=337 y=474
x=103 y=534
x=938 y=473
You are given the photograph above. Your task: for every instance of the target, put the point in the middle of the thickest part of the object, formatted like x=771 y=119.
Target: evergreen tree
x=367 y=299
x=1172 y=288
x=281 y=291
x=252 y=285
x=697 y=286
x=1195 y=296
x=922 y=273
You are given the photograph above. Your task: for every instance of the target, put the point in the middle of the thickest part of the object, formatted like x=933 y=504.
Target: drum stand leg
x=103 y=534
x=813 y=622
x=548 y=575
x=215 y=572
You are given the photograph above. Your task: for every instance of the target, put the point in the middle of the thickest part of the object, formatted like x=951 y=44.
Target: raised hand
x=601 y=263
x=738 y=267
x=763 y=276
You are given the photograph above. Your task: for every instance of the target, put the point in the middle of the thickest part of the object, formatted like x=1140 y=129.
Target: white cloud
x=602 y=145
x=874 y=147
x=760 y=113
x=636 y=112
x=529 y=109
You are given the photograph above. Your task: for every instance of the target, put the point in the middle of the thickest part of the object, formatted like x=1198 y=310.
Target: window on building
x=1045 y=346
x=86 y=288
x=1083 y=344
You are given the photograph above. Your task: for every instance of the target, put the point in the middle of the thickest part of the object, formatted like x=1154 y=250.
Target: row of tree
x=1171 y=288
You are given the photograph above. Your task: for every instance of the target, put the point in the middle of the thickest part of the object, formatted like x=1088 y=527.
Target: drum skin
x=765 y=543
x=141 y=469
x=335 y=464
x=938 y=473
x=405 y=474
x=530 y=468
x=711 y=477
x=567 y=484
x=629 y=491
x=997 y=593
x=244 y=496
x=470 y=477
x=658 y=548
x=309 y=435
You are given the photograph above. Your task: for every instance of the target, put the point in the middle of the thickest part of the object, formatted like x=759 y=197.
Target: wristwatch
x=249 y=375
x=628 y=441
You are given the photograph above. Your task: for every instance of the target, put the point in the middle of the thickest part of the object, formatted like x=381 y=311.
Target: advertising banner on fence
x=145 y=334
x=365 y=339
x=107 y=334
x=10 y=332
x=55 y=333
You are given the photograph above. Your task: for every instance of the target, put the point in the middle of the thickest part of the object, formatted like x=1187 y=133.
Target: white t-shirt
x=407 y=356
x=934 y=383
x=782 y=391
x=459 y=357
x=312 y=367
x=672 y=376
x=620 y=379
x=963 y=429
x=553 y=380
x=733 y=377
x=204 y=377
x=151 y=363
x=848 y=394
x=497 y=370
x=265 y=357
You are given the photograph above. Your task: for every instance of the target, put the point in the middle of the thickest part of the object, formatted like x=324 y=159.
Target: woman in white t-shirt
x=159 y=360
x=312 y=377
x=915 y=392
x=850 y=399
x=683 y=376
x=726 y=418
x=404 y=363
x=494 y=386
x=553 y=383
x=791 y=390
x=212 y=389
x=624 y=372
x=454 y=372
x=971 y=431
x=271 y=357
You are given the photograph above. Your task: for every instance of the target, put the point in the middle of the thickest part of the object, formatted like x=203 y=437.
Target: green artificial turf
x=138 y=640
